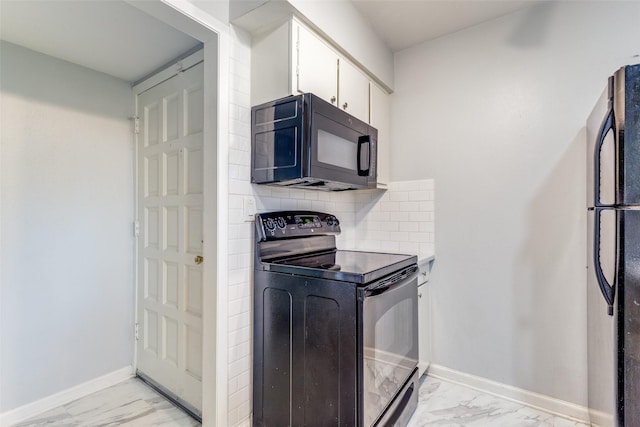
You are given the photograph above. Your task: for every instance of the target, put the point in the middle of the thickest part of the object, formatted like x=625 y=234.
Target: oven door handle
x=393 y=282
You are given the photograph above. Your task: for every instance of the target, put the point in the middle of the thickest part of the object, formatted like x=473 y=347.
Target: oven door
x=389 y=338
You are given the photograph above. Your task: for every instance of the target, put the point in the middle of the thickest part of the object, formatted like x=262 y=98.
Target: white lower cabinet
x=424 y=318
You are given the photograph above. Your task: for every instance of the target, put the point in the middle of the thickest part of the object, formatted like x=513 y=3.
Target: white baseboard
x=534 y=400
x=32 y=409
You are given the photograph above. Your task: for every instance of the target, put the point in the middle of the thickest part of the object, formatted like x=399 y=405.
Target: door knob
x=199 y=259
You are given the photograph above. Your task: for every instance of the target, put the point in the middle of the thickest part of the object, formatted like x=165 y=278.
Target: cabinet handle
x=333 y=99
x=420 y=295
x=345 y=105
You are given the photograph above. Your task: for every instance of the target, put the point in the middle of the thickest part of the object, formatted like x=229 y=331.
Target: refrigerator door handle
x=607 y=125
x=608 y=291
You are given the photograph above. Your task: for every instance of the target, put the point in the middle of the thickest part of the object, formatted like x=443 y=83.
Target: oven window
x=390 y=339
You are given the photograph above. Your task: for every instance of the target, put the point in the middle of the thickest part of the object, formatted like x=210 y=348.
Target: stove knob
x=330 y=221
x=269 y=224
x=333 y=221
x=281 y=222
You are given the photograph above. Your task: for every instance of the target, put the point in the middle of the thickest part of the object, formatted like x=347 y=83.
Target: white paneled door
x=170 y=201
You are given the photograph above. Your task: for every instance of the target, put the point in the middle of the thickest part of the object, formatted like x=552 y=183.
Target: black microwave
x=304 y=141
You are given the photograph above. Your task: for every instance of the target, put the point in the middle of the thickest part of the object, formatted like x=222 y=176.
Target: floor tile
x=130 y=403
x=445 y=404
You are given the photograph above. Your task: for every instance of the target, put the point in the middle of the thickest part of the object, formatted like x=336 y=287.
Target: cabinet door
x=424 y=328
x=317 y=70
x=353 y=91
x=380 y=119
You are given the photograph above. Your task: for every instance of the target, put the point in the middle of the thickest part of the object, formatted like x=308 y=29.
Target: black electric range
x=335 y=331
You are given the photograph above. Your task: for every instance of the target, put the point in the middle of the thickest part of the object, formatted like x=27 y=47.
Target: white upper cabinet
x=292 y=59
x=380 y=119
x=321 y=71
x=353 y=91
x=317 y=66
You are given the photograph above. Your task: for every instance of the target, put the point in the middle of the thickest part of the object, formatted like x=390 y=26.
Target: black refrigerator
x=613 y=244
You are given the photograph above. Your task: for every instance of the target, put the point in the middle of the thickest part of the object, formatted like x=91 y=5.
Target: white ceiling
x=114 y=37
x=404 y=23
x=110 y=36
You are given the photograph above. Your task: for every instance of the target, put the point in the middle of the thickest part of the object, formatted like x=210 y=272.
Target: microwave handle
x=365 y=139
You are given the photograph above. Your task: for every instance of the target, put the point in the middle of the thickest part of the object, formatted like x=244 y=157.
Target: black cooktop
x=346 y=266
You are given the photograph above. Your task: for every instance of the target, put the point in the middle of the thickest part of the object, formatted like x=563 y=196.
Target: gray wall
x=496 y=114
x=67 y=295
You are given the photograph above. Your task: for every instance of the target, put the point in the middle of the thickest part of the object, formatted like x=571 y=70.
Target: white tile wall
x=398 y=220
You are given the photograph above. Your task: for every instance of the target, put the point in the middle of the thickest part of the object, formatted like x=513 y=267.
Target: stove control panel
x=288 y=224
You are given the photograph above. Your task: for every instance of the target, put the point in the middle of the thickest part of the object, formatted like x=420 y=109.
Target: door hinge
x=136 y=333
x=136 y=228
x=136 y=124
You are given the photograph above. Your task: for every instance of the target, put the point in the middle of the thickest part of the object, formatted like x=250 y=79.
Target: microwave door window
x=336 y=151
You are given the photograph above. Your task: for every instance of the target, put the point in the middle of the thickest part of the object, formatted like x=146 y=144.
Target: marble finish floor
x=445 y=404
x=129 y=403
x=441 y=403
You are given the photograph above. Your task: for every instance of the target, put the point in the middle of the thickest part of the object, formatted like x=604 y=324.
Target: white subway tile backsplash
x=238 y=306
x=409 y=206
x=238 y=291
x=239 y=336
x=232 y=385
x=401 y=216
x=288 y=204
x=239 y=261
x=244 y=379
x=391 y=226
x=427 y=226
x=409 y=248
x=239 y=352
x=239 y=321
x=239 y=157
x=405 y=211
x=323 y=206
x=418 y=195
x=419 y=237
x=265 y=204
x=399 y=196
x=244 y=412
x=239 y=276
x=305 y=204
x=427 y=206
x=240 y=396
x=280 y=192
x=239 y=186
x=235 y=201
x=417 y=216
x=408 y=226
x=389 y=206
x=399 y=236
